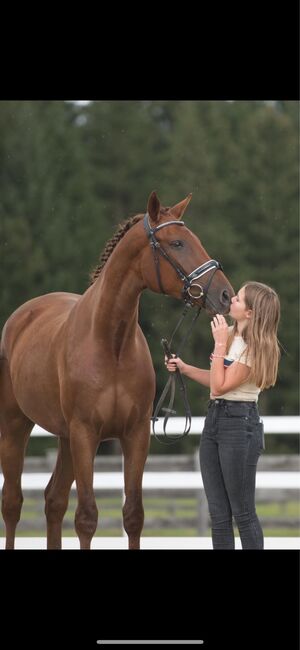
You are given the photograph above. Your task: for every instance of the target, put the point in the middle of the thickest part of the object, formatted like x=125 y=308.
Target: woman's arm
x=222 y=380
x=198 y=374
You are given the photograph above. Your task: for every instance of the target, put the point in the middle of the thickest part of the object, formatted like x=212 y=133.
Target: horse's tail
x=2 y=361
x=7 y=398
x=2 y=348
x=3 y=364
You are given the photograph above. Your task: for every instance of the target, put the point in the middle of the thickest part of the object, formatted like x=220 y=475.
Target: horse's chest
x=116 y=410
x=116 y=400
x=110 y=398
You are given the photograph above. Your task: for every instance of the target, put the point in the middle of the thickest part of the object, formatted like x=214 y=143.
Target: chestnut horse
x=80 y=367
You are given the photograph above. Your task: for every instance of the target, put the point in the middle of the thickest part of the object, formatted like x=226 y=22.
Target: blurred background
x=71 y=171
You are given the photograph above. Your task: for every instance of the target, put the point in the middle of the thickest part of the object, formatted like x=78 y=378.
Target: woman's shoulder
x=237 y=349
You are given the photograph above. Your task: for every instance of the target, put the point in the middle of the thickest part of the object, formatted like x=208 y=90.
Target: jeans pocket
x=256 y=432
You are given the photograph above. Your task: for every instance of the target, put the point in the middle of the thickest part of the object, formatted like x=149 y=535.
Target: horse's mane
x=111 y=244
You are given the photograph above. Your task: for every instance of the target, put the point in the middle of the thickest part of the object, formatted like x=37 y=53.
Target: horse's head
x=175 y=262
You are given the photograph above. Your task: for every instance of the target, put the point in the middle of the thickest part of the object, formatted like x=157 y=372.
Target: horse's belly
x=36 y=388
x=39 y=398
x=31 y=346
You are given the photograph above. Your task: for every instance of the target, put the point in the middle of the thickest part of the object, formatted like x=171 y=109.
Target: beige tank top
x=247 y=392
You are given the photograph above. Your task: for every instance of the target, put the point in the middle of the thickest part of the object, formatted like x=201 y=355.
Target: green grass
x=155 y=507
x=281 y=532
x=288 y=509
x=170 y=532
x=108 y=532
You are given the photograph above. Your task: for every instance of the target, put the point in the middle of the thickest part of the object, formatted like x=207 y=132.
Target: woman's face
x=238 y=309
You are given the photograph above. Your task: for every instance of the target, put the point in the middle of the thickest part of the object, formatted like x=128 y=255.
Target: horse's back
x=47 y=312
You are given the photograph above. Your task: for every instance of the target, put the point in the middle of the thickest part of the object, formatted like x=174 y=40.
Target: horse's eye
x=176 y=244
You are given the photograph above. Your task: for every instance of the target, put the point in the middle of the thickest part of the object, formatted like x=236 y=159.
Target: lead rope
x=171 y=385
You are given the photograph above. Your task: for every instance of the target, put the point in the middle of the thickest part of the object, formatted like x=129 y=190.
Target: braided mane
x=111 y=245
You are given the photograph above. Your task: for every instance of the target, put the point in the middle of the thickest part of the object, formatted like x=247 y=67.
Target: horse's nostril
x=225 y=297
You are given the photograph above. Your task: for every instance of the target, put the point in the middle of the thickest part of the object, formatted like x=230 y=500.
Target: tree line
x=69 y=174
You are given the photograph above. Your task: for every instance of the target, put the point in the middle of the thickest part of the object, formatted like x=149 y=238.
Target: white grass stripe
x=135 y=642
x=185 y=543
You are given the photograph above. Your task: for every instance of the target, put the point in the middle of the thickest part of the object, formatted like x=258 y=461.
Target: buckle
x=195 y=296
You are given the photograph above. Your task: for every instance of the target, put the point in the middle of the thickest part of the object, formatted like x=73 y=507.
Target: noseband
x=188 y=294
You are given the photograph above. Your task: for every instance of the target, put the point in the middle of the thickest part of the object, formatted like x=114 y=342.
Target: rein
x=191 y=291
x=171 y=386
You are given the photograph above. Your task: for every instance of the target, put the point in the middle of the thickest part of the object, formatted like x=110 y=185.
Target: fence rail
x=183 y=480
x=273 y=483
x=277 y=424
x=163 y=480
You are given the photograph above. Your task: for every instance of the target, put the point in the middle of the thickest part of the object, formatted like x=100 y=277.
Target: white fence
x=163 y=480
x=166 y=480
x=180 y=480
x=272 y=424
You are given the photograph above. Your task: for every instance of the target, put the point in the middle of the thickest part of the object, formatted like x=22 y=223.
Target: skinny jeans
x=231 y=443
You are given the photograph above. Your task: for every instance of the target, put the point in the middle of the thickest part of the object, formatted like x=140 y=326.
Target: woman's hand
x=174 y=363
x=219 y=329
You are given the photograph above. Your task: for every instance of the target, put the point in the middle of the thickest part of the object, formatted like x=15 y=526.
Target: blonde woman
x=243 y=363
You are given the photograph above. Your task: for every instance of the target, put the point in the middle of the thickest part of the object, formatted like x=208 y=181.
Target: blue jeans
x=231 y=443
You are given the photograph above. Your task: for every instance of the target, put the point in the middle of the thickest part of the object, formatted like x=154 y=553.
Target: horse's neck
x=114 y=298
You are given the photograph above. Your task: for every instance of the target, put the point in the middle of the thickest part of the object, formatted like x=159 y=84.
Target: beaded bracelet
x=218 y=356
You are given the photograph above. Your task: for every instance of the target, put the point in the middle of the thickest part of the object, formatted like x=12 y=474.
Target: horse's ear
x=153 y=207
x=179 y=209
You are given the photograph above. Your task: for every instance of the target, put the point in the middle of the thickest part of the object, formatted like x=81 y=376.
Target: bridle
x=188 y=280
x=189 y=297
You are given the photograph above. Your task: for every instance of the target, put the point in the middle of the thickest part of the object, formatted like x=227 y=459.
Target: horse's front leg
x=84 y=445
x=135 y=448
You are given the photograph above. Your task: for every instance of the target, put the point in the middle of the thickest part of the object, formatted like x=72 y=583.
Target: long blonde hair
x=260 y=333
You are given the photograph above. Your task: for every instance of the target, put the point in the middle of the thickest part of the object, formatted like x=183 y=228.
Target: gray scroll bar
x=164 y=642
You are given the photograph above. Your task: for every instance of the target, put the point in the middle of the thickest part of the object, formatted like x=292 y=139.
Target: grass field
x=162 y=517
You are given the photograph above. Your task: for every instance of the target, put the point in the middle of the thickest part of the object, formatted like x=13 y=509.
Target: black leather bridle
x=188 y=294
x=191 y=291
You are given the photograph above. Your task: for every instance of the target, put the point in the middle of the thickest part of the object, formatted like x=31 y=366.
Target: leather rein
x=191 y=291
